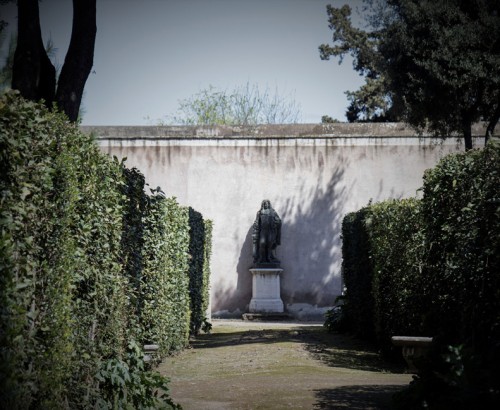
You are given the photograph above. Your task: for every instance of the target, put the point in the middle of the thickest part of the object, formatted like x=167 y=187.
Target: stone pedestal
x=266 y=291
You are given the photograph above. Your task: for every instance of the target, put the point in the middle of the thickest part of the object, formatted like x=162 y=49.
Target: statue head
x=266 y=204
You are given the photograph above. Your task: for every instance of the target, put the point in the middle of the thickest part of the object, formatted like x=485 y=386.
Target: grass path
x=257 y=365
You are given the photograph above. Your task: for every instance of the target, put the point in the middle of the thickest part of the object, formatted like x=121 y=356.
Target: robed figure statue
x=266 y=235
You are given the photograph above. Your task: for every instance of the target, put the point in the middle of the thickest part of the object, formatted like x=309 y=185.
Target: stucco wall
x=313 y=175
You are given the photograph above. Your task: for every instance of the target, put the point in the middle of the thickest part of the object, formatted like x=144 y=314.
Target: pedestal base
x=267 y=317
x=266 y=291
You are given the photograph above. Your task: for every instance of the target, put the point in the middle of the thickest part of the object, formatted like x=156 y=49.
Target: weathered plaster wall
x=313 y=176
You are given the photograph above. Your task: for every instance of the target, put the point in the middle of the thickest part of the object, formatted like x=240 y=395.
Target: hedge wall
x=432 y=267
x=357 y=273
x=84 y=253
x=165 y=315
x=36 y=256
x=461 y=206
x=200 y=239
x=429 y=267
x=397 y=246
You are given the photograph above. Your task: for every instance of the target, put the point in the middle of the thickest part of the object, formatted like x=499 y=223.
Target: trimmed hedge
x=133 y=233
x=36 y=256
x=164 y=283
x=432 y=267
x=63 y=295
x=461 y=207
x=357 y=273
x=397 y=246
x=200 y=239
x=84 y=253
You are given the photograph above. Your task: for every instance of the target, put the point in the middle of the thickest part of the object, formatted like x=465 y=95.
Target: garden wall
x=312 y=174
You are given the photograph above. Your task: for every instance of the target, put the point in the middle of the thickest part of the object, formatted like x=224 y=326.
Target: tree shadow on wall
x=311 y=240
x=310 y=244
x=239 y=298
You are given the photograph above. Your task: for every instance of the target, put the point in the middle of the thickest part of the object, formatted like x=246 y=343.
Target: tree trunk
x=79 y=58
x=490 y=129
x=468 y=136
x=33 y=73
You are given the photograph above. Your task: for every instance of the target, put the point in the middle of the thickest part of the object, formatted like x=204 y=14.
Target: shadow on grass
x=356 y=397
x=333 y=349
x=346 y=351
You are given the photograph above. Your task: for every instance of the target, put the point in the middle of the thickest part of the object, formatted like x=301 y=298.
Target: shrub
x=397 y=248
x=165 y=280
x=199 y=270
x=357 y=273
x=461 y=207
x=433 y=268
x=65 y=331
x=36 y=255
x=133 y=236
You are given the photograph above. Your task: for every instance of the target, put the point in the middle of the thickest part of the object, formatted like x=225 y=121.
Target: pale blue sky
x=150 y=54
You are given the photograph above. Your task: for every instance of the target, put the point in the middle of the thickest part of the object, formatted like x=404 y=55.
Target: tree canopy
x=432 y=64
x=34 y=75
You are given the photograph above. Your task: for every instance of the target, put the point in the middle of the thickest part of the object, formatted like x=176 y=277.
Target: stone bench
x=413 y=348
x=149 y=352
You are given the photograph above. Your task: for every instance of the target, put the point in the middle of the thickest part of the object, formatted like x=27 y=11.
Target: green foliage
x=357 y=273
x=397 y=251
x=431 y=64
x=326 y=119
x=36 y=259
x=374 y=101
x=199 y=270
x=335 y=318
x=462 y=215
x=432 y=267
x=246 y=105
x=165 y=315
x=442 y=59
x=100 y=296
x=133 y=233
x=65 y=313
x=126 y=383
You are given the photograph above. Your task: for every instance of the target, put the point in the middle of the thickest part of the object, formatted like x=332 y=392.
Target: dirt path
x=256 y=365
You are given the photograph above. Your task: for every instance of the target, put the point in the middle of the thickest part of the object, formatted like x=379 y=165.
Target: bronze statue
x=266 y=235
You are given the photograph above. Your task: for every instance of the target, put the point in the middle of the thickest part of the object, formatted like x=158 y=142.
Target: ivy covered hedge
x=461 y=208
x=79 y=240
x=357 y=272
x=200 y=241
x=382 y=253
x=396 y=250
x=431 y=267
x=165 y=311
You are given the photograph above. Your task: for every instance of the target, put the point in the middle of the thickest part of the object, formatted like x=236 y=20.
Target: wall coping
x=288 y=131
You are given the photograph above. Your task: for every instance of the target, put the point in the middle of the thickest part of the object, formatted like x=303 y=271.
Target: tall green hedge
x=357 y=273
x=36 y=258
x=397 y=251
x=101 y=294
x=62 y=288
x=68 y=269
x=200 y=237
x=165 y=315
x=432 y=267
x=461 y=207
x=133 y=234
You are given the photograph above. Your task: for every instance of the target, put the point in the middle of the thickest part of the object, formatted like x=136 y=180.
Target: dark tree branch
x=79 y=58
x=33 y=73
